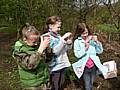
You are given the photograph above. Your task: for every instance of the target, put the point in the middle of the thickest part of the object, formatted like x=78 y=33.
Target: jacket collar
x=56 y=35
x=81 y=39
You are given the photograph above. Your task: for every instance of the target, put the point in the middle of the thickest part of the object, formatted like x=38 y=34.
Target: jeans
x=89 y=76
x=57 y=80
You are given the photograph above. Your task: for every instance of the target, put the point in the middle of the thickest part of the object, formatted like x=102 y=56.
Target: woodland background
x=103 y=16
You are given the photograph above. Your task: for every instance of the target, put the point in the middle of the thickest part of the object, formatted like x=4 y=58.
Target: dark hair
x=26 y=30
x=80 y=29
x=51 y=20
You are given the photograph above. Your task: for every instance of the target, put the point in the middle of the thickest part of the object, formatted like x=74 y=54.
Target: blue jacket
x=83 y=55
x=60 y=59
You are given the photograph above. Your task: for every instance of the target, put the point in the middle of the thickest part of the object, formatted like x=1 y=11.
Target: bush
x=106 y=27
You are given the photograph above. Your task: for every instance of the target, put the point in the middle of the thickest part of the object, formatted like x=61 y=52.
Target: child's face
x=56 y=27
x=85 y=33
x=32 y=40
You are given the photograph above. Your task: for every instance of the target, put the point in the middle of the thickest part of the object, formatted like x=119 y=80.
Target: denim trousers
x=89 y=76
x=57 y=80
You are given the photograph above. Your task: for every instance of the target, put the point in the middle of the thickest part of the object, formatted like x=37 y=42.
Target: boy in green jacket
x=30 y=56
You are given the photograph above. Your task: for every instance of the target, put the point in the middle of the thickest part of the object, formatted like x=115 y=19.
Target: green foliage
x=8 y=28
x=106 y=28
x=69 y=74
x=7 y=10
x=14 y=13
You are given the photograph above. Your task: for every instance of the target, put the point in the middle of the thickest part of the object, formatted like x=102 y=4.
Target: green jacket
x=32 y=67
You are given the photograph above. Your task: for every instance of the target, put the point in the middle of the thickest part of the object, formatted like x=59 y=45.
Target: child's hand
x=69 y=41
x=66 y=35
x=89 y=38
x=95 y=39
x=45 y=42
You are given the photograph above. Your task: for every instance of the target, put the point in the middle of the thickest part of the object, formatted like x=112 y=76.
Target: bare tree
x=114 y=14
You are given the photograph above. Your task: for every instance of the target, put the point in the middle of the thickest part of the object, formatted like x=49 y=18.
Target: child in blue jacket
x=59 y=44
x=86 y=48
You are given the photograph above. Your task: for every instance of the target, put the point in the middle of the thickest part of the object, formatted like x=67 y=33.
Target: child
x=29 y=53
x=86 y=48
x=59 y=45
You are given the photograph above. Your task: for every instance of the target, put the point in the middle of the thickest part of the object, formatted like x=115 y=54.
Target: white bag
x=112 y=69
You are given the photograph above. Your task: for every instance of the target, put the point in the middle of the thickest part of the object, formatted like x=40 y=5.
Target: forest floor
x=9 y=77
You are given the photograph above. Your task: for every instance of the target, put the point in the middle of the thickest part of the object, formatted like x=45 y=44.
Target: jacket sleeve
x=58 y=47
x=99 y=48
x=28 y=61
x=79 y=49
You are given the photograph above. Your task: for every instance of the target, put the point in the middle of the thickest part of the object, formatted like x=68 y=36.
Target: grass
x=8 y=28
